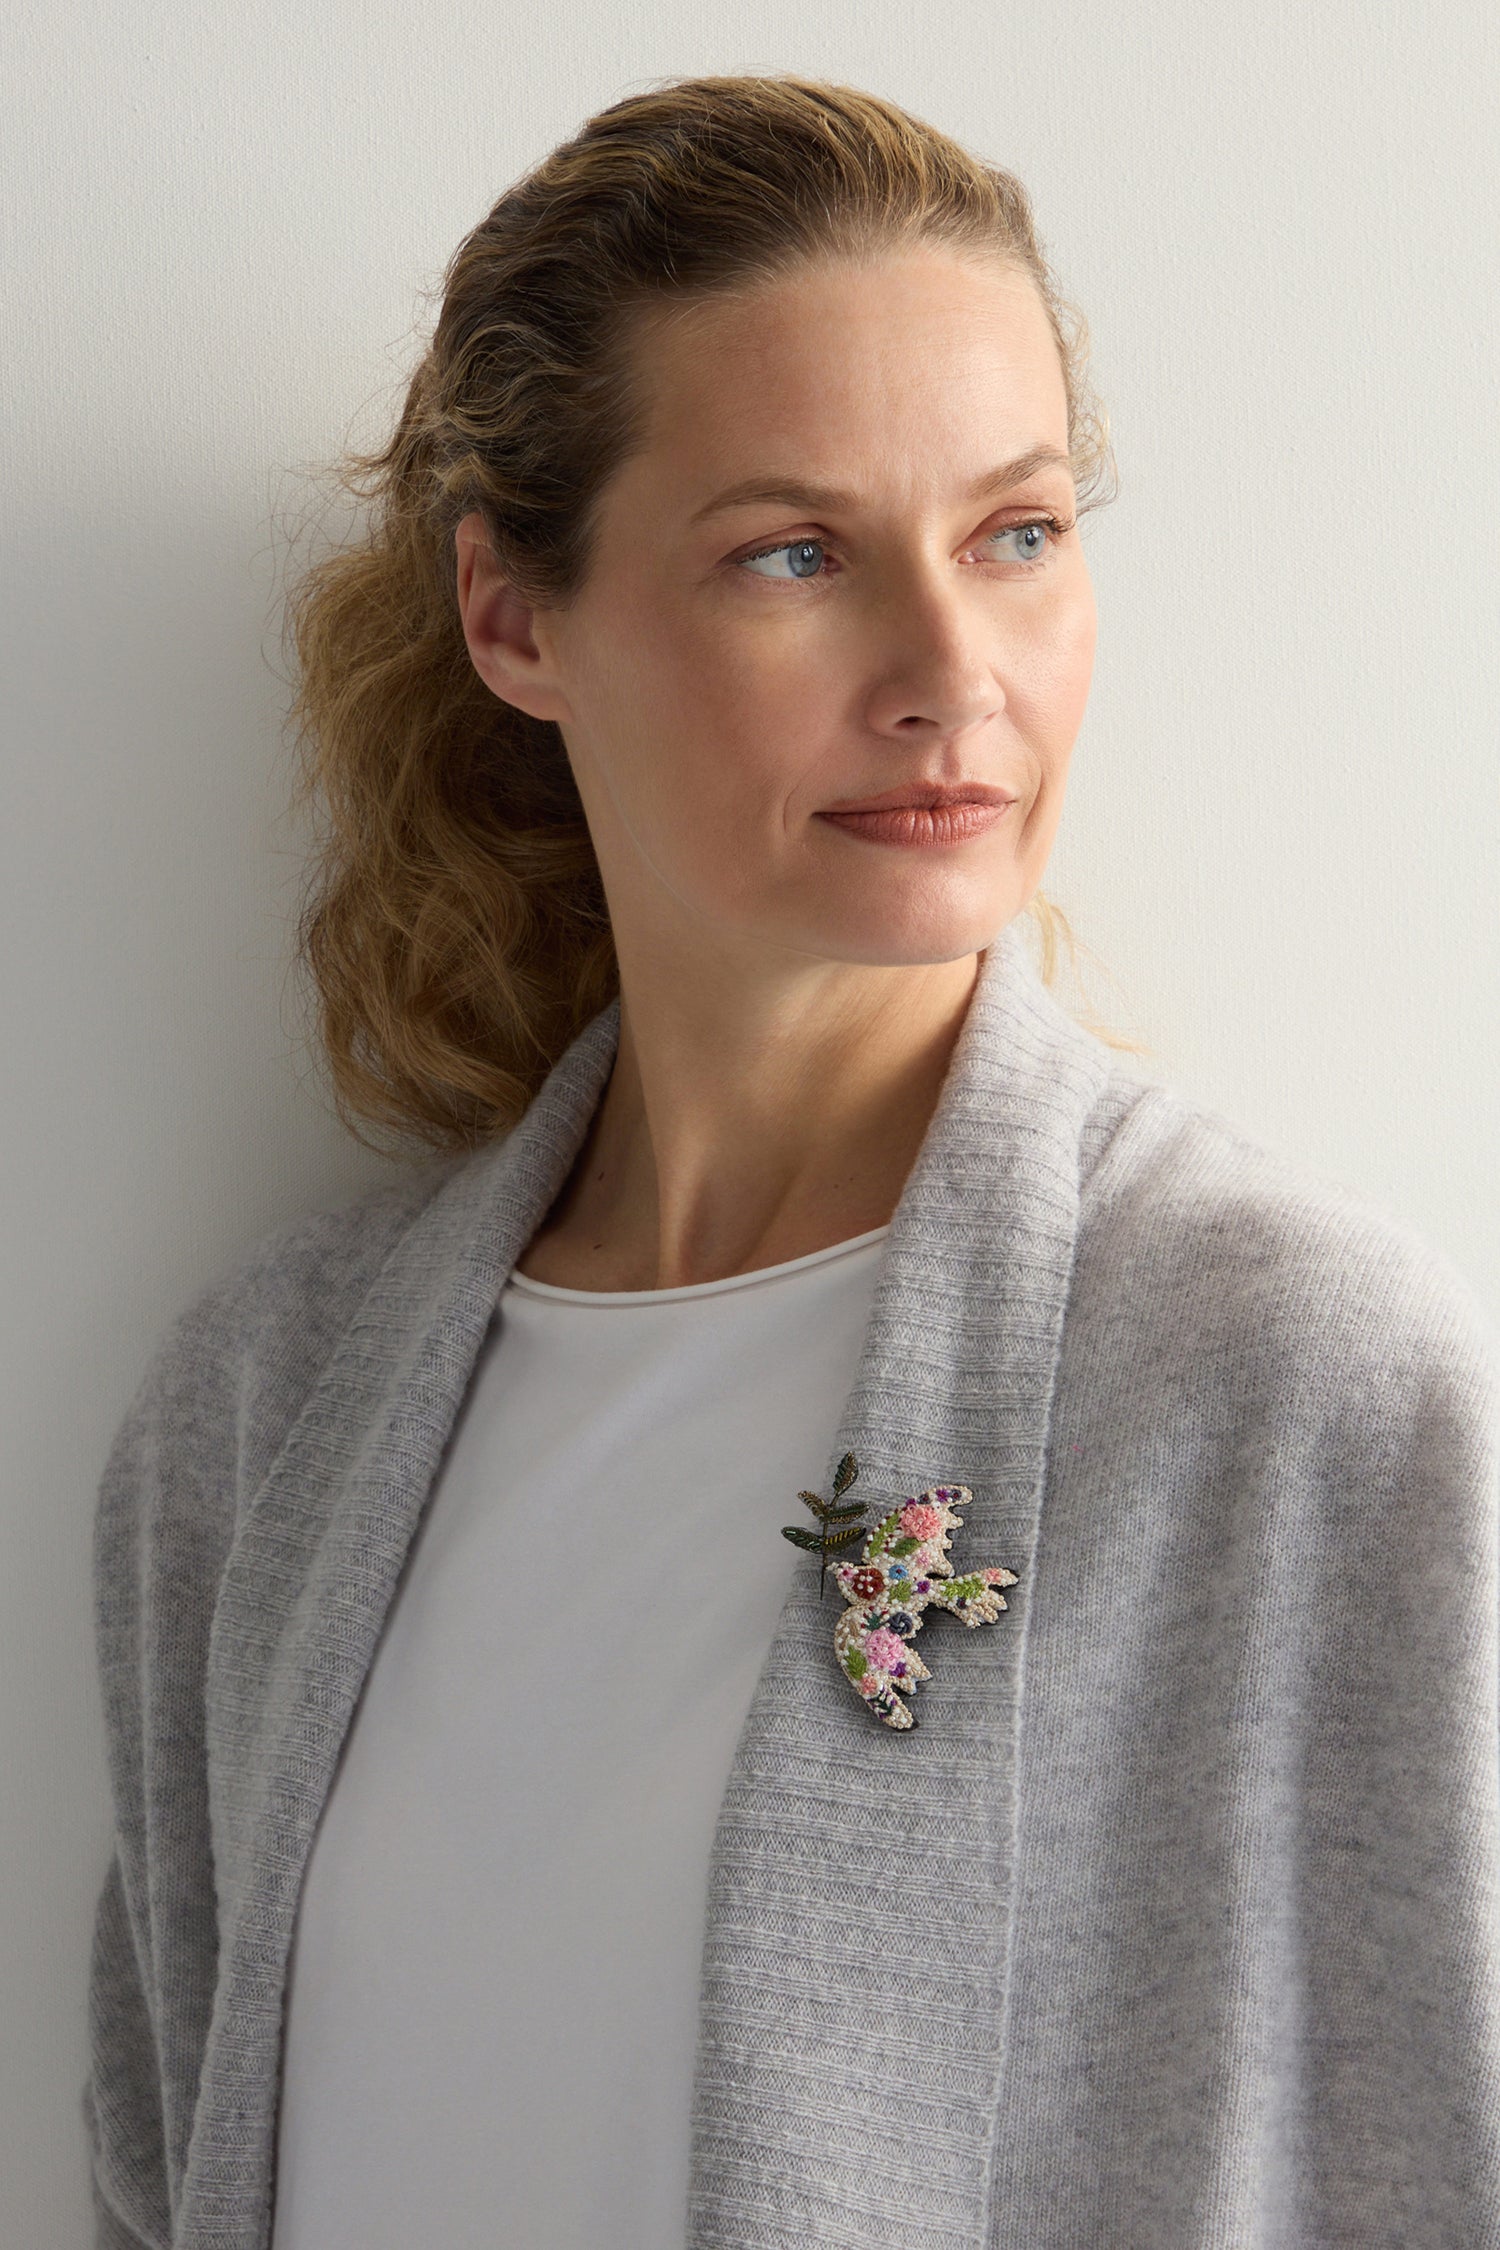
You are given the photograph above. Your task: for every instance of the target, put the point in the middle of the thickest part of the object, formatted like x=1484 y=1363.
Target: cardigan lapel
x=857 y=1951
x=304 y=1597
x=857 y=1945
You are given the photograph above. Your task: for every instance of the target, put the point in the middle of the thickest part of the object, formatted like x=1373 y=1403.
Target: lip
x=923 y=814
x=928 y=796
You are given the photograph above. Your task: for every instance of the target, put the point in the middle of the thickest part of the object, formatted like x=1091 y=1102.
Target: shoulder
x=229 y=1373
x=221 y=1387
x=1237 y=1263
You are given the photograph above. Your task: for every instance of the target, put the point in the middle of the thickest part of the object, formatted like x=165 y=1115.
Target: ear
x=511 y=655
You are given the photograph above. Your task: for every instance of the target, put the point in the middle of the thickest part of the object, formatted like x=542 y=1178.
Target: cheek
x=717 y=722
x=1054 y=690
x=700 y=743
x=1080 y=633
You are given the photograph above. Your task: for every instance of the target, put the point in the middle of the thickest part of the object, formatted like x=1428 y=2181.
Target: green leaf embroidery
x=840 y=1525
x=882 y=1535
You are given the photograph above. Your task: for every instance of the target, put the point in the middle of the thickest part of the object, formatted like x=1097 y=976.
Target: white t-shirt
x=492 y=1997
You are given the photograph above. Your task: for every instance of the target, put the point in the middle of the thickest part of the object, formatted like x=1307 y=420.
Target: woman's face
x=900 y=601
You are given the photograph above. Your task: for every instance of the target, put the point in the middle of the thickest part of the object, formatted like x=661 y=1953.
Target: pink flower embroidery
x=919 y=1520
x=884 y=1648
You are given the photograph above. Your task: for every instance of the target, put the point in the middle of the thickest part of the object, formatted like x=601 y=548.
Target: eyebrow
x=797 y=494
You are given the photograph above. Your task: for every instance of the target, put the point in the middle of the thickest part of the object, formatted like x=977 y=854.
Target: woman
x=520 y=1839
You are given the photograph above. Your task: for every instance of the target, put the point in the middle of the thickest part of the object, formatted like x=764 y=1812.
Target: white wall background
x=1283 y=826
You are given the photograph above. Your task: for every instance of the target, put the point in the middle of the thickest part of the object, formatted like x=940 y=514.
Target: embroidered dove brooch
x=904 y=1569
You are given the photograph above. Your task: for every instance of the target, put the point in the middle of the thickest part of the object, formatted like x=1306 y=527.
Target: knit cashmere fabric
x=1174 y=1922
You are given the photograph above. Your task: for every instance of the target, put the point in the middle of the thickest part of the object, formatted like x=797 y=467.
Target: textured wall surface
x=217 y=229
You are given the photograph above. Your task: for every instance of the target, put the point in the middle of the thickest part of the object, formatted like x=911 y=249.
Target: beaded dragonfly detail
x=903 y=1570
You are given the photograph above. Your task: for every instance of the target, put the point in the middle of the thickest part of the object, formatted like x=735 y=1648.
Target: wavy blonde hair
x=454 y=927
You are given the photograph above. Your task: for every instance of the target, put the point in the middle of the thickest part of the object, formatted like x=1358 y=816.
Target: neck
x=746 y=1123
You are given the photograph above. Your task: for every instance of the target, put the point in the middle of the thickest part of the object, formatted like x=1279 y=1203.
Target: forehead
x=913 y=364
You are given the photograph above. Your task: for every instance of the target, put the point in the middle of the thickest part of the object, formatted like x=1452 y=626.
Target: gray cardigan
x=1175 y=1923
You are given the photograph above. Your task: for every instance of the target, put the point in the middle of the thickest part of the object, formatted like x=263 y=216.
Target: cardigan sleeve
x=1303 y=1397
x=122 y=2099
x=1382 y=1474
x=163 y=1525
x=219 y=1394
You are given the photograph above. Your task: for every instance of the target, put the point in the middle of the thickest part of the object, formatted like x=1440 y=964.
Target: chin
x=922 y=935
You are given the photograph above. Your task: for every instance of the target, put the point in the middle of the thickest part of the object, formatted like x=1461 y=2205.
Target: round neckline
x=692 y=1289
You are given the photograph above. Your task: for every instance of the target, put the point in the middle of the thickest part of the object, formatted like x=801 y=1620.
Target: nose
x=940 y=662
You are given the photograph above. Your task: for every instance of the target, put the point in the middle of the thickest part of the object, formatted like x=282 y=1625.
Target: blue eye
x=1035 y=532
x=805 y=555
x=798 y=549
